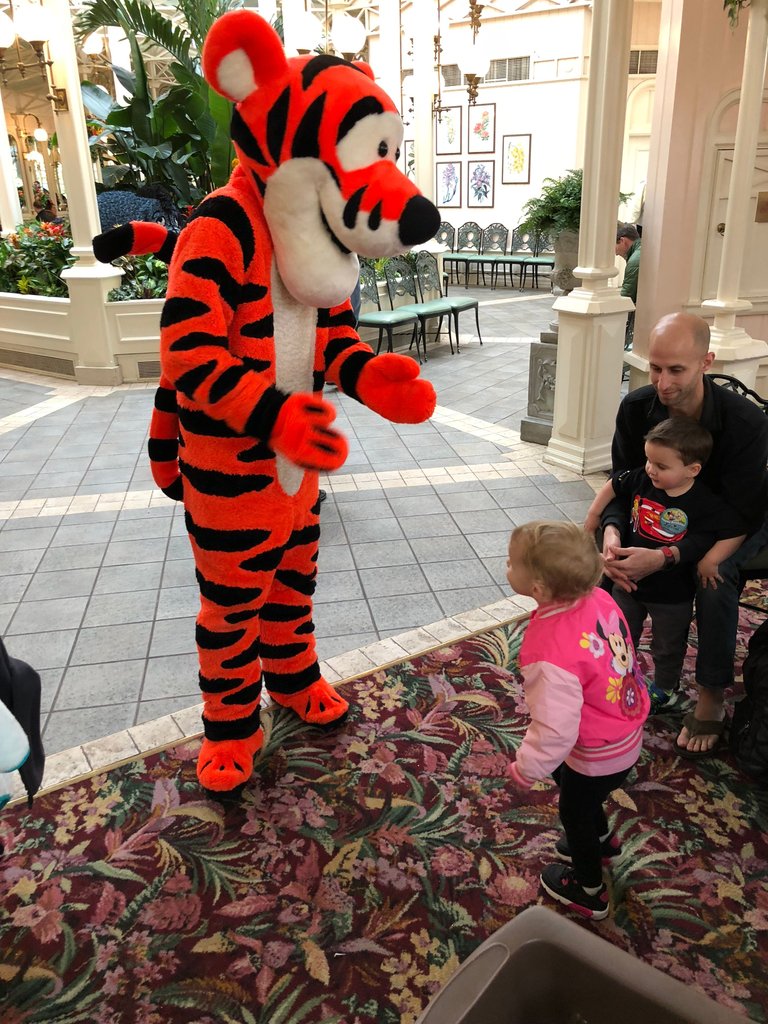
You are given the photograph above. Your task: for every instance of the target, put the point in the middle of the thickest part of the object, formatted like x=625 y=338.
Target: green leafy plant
x=33 y=257
x=180 y=138
x=733 y=9
x=145 y=277
x=380 y=263
x=558 y=208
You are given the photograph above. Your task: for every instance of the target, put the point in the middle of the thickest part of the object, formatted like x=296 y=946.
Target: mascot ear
x=241 y=52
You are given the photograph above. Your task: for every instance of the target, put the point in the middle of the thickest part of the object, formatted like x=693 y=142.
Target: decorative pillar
x=423 y=87
x=592 y=317
x=387 y=70
x=92 y=332
x=293 y=13
x=736 y=352
x=10 y=208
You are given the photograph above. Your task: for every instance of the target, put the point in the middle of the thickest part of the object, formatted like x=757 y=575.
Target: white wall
x=549 y=107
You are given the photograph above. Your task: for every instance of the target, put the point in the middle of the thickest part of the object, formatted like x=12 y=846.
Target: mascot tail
x=138 y=238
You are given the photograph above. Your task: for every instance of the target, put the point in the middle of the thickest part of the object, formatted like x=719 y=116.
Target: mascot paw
x=226 y=765
x=303 y=434
x=390 y=385
x=319 y=704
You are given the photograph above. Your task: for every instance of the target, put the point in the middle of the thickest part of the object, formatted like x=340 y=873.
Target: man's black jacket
x=736 y=469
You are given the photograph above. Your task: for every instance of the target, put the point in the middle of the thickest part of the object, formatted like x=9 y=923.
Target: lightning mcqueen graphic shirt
x=692 y=522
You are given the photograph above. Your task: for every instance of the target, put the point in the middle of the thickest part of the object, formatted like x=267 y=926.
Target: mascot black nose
x=420 y=221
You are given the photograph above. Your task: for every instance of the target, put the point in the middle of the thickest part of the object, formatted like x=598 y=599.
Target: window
x=511 y=69
x=508 y=69
x=643 y=62
x=451 y=74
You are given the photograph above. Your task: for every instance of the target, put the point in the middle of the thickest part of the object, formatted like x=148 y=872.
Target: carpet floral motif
x=362 y=865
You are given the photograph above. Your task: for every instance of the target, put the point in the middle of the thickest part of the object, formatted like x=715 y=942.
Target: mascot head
x=318 y=140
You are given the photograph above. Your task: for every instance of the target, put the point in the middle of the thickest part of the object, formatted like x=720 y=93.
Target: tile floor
x=97 y=586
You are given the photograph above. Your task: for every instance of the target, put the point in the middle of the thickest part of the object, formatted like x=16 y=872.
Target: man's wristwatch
x=669 y=558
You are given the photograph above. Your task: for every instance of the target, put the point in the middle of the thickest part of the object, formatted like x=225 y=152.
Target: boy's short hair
x=687 y=437
x=562 y=555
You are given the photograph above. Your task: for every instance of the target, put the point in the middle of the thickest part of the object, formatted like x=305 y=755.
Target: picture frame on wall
x=516 y=160
x=448 y=183
x=409 y=159
x=448 y=132
x=480 y=177
x=481 y=128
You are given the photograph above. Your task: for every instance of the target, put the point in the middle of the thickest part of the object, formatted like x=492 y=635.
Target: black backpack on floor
x=749 y=728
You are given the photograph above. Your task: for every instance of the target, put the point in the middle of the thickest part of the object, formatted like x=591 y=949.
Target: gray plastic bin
x=542 y=968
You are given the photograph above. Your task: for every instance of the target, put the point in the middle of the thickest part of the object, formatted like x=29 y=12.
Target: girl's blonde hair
x=562 y=556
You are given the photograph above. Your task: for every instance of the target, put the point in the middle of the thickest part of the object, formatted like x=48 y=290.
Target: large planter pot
x=566 y=246
x=137 y=334
x=35 y=335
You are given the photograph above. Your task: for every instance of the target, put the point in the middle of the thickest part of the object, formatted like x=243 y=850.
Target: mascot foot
x=224 y=766
x=319 y=704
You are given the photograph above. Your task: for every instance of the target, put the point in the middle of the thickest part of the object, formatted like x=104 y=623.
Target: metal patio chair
x=401 y=283
x=380 y=319
x=428 y=276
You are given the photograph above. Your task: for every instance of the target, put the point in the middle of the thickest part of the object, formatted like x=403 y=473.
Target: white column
x=10 y=208
x=91 y=331
x=293 y=12
x=736 y=352
x=387 y=68
x=424 y=77
x=592 y=318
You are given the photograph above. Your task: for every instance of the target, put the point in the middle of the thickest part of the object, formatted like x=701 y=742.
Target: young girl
x=586 y=697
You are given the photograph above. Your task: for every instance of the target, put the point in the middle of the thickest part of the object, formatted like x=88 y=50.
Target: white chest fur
x=295 y=339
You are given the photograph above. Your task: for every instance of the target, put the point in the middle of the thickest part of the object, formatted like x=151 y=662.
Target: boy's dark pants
x=581 y=812
x=670 y=624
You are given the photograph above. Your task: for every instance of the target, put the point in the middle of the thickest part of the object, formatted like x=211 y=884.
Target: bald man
x=679 y=358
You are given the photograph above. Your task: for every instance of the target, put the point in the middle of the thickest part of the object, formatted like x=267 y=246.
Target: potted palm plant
x=556 y=212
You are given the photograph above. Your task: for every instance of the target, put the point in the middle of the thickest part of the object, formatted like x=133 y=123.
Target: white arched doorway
x=637 y=142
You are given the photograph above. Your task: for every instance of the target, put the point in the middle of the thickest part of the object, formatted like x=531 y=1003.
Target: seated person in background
x=45 y=214
x=667 y=508
x=679 y=358
x=628 y=245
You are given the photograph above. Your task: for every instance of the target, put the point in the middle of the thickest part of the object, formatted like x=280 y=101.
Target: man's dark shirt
x=736 y=469
x=652 y=519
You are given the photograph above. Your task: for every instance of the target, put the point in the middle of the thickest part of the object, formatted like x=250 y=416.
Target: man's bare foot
x=709 y=708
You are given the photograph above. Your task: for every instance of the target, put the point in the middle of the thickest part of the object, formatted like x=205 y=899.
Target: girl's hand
x=708 y=573
x=517 y=777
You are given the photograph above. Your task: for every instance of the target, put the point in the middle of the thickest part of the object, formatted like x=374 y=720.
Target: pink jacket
x=585 y=693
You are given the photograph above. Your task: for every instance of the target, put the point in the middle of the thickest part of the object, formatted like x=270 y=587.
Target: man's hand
x=708 y=572
x=636 y=563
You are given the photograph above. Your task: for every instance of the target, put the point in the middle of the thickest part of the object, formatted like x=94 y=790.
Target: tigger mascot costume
x=256 y=319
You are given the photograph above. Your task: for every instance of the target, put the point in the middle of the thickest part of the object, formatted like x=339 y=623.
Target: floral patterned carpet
x=362 y=865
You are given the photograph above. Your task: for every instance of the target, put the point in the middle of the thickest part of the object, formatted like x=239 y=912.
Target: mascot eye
x=370 y=140
x=397 y=154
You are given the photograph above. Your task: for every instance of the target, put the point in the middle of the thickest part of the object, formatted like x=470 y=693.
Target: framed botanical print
x=448 y=183
x=409 y=158
x=448 y=132
x=480 y=183
x=481 y=128
x=516 y=160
